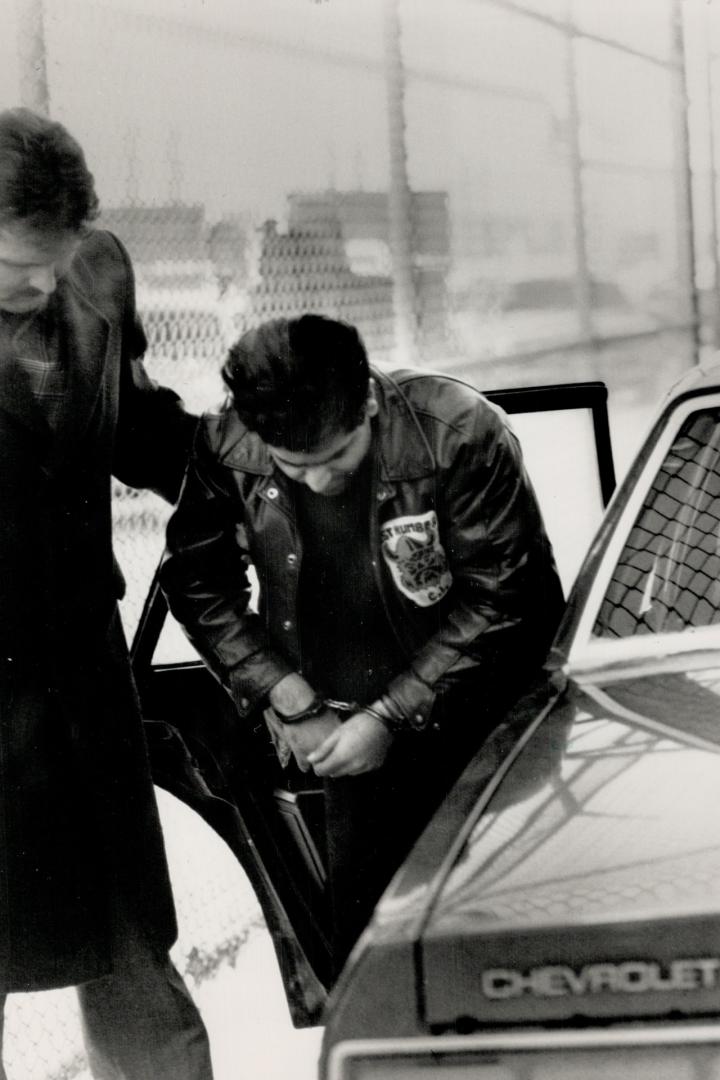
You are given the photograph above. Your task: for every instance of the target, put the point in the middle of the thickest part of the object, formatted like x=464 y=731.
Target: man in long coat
x=84 y=889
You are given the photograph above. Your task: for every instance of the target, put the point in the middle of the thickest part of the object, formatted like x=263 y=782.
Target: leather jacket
x=459 y=550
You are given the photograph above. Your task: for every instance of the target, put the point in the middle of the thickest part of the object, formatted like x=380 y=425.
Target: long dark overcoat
x=79 y=833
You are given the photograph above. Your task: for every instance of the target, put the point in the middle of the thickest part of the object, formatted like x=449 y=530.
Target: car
x=560 y=915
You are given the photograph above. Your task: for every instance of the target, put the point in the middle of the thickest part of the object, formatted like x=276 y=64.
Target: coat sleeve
x=154 y=433
x=205 y=579
x=506 y=597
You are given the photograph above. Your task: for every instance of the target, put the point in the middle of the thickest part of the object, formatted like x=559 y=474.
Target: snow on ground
x=222 y=936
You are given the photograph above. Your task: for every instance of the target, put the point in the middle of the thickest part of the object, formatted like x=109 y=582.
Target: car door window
x=667 y=577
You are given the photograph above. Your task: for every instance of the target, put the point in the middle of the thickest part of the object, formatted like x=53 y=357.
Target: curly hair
x=45 y=183
x=297 y=381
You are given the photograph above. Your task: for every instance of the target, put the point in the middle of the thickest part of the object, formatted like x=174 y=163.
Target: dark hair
x=297 y=381
x=44 y=181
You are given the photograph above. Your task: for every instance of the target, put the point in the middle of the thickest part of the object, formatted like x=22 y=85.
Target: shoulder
x=223 y=439
x=100 y=247
x=447 y=402
x=428 y=420
x=216 y=428
x=101 y=270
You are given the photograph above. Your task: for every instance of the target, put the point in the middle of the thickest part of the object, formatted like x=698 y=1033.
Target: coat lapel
x=19 y=403
x=83 y=339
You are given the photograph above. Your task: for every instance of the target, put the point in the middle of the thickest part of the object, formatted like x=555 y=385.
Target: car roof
x=702 y=377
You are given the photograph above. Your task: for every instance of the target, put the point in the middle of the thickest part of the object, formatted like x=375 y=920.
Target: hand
x=309 y=735
x=359 y=745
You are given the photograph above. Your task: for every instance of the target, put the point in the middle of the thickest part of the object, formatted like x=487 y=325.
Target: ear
x=371 y=408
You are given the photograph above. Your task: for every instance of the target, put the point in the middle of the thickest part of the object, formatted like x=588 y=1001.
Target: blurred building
x=172 y=246
x=307 y=268
x=335 y=257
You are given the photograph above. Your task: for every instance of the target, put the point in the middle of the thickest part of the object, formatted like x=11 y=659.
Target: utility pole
x=686 y=253
x=583 y=287
x=710 y=60
x=399 y=196
x=32 y=55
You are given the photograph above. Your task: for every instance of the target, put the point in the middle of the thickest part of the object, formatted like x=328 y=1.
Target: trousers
x=140 y=1023
x=372 y=820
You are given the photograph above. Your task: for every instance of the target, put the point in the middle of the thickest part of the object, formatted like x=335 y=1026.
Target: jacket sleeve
x=506 y=597
x=205 y=578
x=154 y=433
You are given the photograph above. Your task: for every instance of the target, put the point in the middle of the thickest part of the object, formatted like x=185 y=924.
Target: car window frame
x=587 y=651
x=558 y=397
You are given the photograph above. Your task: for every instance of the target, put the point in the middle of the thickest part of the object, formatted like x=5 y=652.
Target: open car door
x=272 y=818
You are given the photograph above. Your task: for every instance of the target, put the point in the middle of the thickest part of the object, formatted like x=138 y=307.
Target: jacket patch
x=416 y=558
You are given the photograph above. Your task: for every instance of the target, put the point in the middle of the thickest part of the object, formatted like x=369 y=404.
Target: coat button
x=292 y=559
x=287 y=624
x=244 y=703
x=272 y=493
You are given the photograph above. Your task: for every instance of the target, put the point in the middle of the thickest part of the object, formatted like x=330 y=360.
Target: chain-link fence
x=218 y=918
x=511 y=190
x=467 y=182
x=493 y=187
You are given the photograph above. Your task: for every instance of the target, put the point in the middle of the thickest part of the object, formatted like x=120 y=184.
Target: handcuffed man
x=403 y=570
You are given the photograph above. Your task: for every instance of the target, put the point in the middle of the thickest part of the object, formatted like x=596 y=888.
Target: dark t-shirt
x=348 y=649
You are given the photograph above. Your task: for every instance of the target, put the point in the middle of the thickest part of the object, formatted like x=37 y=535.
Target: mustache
x=27 y=294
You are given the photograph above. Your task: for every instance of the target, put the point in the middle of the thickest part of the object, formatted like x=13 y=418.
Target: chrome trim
x=673 y=1035
x=613 y=708
x=647 y=650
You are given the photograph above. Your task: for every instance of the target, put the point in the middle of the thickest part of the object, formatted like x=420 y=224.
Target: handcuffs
x=345 y=708
x=318 y=706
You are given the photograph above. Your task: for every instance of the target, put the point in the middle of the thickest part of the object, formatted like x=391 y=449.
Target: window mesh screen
x=668 y=576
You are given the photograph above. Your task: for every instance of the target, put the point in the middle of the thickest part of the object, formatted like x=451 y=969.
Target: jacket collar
x=403 y=451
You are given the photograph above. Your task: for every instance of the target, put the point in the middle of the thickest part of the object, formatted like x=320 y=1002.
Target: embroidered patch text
x=412 y=550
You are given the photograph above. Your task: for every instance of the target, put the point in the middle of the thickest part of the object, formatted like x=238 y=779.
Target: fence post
x=31 y=55
x=686 y=251
x=583 y=288
x=709 y=60
x=399 y=196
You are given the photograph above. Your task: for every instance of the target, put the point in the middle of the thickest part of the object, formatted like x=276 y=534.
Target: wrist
x=291 y=695
x=316 y=708
x=385 y=711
